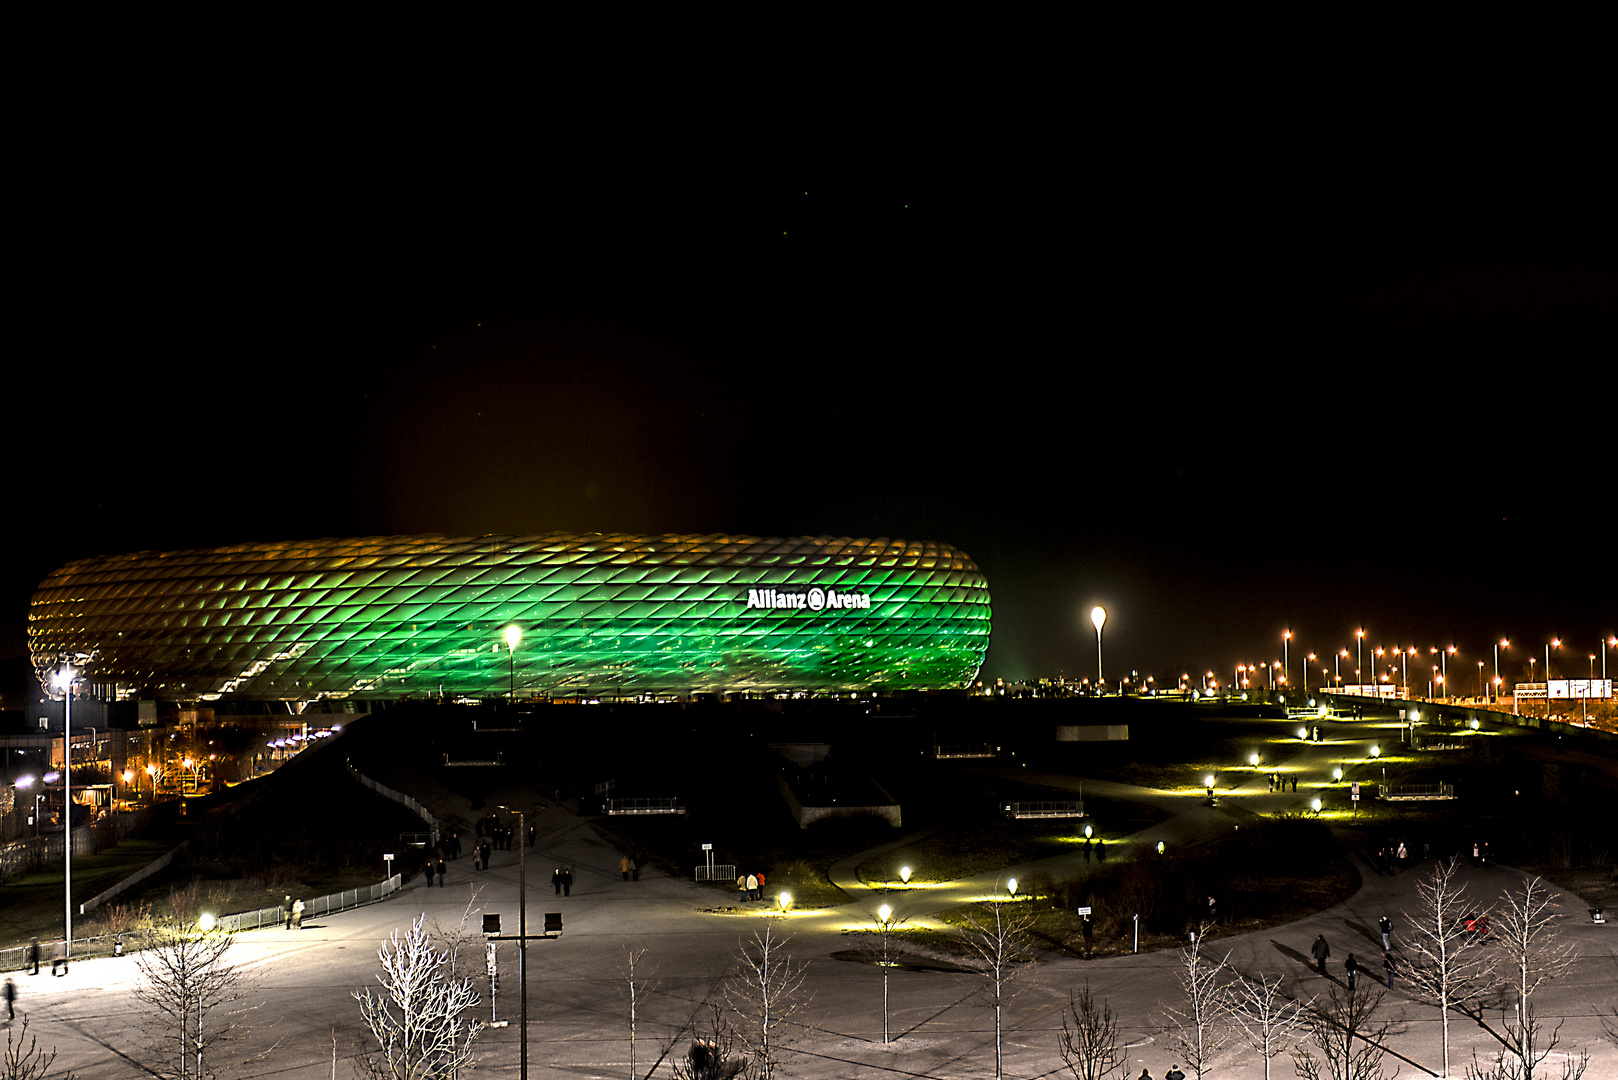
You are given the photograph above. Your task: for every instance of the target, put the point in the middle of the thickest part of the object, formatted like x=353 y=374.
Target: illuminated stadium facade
x=598 y=615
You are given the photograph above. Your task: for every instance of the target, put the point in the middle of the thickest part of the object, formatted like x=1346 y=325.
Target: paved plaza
x=578 y=1026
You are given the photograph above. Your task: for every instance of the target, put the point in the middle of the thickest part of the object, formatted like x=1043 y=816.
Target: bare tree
x=1531 y=951
x=1448 y=965
x=1268 y=1018
x=1349 y=1038
x=997 y=935
x=763 y=992
x=188 y=987
x=420 y=1019
x=24 y=1060
x=637 y=984
x=1089 y=1042
x=1201 y=1028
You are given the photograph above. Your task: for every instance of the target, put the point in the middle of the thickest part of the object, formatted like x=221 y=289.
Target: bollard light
x=1253 y=759
x=1315 y=802
x=1011 y=886
x=1376 y=751
x=206 y=922
x=884 y=914
x=1160 y=847
x=785 y=900
x=904 y=874
x=1337 y=773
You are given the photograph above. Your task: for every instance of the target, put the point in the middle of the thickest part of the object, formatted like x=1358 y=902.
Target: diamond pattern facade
x=599 y=614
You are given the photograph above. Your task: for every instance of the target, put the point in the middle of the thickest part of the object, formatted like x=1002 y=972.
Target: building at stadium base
x=594 y=615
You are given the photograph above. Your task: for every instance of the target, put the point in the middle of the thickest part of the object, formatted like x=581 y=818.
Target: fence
x=399 y=797
x=969 y=750
x=1057 y=808
x=22 y=856
x=718 y=872
x=1417 y=791
x=312 y=909
x=645 y=806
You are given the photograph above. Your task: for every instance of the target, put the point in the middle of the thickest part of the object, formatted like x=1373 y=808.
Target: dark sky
x=1222 y=376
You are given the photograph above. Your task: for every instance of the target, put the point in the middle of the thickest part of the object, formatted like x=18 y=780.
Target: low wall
x=806 y=816
x=1092 y=733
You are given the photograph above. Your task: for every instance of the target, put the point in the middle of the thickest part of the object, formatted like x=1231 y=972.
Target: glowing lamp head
x=64 y=676
x=884 y=914
x=1098 y=615
x=1208 y=781
x=904 y=874
x=1315 y=803
x=1160 y=848
x=207 y=922
x=1011 y=886
x=1253 y=759
x=1376 y=751
x=1337 y=773
x=785 y=900
x=513 y=635
x=1088 y=831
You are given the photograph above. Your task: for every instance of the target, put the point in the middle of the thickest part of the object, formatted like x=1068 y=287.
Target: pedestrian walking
x=286 y=911
x=442 y=869
x=1353 y=968
x=1320 y=951
x=1386 y=926
x=1174 y=1073
x=752 y=887
x=297 y=914
x=623 y=867
x=1145 y=1074
x=567 y=882
x=556 y=880
x=634 y=869
x=1294 y=784
x=429 y=871
x=1087 y=843
x=59 y=958
x=11 y=999
x=1388 y=967
x=33 y=956
x=1101 y=851
x=1087 y=924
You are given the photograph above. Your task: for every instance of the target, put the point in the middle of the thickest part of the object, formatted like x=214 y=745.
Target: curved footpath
x=578 y=1024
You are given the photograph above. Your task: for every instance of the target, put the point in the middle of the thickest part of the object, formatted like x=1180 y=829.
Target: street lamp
x=522 y=910
x=63 y=681
x=513 y=635
x=1501 y=644
x=1098 y=615
x=884 y=918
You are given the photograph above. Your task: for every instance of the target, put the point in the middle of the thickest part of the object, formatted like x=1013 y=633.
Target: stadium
x=552 y=615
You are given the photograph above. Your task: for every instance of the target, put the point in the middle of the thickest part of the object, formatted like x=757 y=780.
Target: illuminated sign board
x=815 y=599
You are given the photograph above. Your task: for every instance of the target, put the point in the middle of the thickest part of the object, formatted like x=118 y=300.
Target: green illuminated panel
x=599 y=614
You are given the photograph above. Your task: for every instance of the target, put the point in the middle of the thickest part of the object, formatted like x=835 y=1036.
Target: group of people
x=436 y=866
x=499 y=833
x=1174 y=1073
x=562 y=880
x=292 y=913
x=1321 y=951
x=1279 y=783
x=752 y=885
x=630 y=868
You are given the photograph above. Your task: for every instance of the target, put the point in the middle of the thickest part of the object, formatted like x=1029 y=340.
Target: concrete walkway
x=578 y=1016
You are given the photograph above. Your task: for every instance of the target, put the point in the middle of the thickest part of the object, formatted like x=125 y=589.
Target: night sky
x=1222 y=378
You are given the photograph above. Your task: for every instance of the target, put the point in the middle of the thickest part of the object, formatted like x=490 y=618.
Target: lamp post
x=884 y=918
x=522 y=917
x=513 y=635
x=1501 y=644
x=1286 y=656
x=1359 y=651
x=1098 y=615
x=1311 y=659
x=64 y=679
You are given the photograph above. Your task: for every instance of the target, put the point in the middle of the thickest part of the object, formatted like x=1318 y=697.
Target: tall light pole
x=1307 y=661
x=1503 y=643
x=884 y=918
x=522 y=923
x=64 y=679
x=1359 y=652
x=1286 y=656
x=513 y=635
x=1098 y=615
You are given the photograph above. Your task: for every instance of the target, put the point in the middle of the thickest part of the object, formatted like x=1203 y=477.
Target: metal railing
x=718 y=872
x=1416 y=791
x=644 y=806
x=312 y=909
x=1049 y=808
